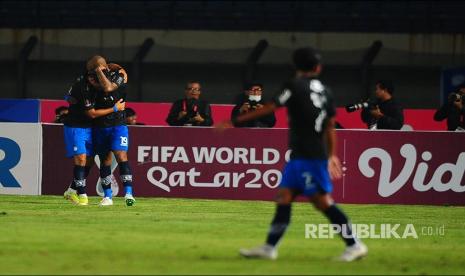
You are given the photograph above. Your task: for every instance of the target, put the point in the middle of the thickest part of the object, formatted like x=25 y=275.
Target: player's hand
x=334 y=167
x=258 y=106
x=182 y=114
x=222 y=126
x=120 y=105
x=117 y=67
x=376 y=113
x=125 y=75
x=245 y=107
x=458 y=104
x=198 y=118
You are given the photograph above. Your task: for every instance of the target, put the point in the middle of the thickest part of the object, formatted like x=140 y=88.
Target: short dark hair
x=59 y=109
x=129 y=112
x=306 y=59
x=191 y=82
x=94 y=62
x=249 y=85
x=386 y=85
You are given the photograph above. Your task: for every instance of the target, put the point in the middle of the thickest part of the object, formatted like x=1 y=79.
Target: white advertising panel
x=20 y=158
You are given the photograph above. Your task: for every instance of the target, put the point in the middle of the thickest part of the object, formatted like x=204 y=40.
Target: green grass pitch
x=48 y=235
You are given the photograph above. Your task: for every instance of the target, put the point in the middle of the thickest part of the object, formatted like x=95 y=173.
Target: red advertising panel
x=379 y=166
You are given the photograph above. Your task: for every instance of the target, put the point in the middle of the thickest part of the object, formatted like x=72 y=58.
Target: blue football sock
x=107 y=192
x=128 y=190
x=105 y=172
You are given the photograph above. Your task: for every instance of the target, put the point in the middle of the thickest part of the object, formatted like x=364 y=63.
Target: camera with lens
x=253 y=104
x=368 y=104
x=456 y=97
x=192 y=107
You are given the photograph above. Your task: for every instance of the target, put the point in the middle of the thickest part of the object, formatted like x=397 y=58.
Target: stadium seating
x=349 y=16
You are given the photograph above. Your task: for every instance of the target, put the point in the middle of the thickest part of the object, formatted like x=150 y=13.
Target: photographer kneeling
x=190 y=111
x=252 y=100
x=384 y=112
x=453 y=110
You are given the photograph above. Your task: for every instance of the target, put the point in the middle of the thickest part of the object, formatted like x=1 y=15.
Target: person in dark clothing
x=253 y=100
x=385 y=112
x=191 y=110
x=60 y=114
x=111 y=134
x=131 y=117
x=78 y=129
x=313 y=161
x=453 y=110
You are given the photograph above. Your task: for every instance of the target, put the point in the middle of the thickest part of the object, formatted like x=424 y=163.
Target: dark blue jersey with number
x=310 y=105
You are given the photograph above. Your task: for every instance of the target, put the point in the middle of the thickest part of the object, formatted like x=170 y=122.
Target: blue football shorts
x=110 y=139
x=78 y=141
x=309 y=176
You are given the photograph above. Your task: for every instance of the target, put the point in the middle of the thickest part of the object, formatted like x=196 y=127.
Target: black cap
x=306 y=59
x=251 y=84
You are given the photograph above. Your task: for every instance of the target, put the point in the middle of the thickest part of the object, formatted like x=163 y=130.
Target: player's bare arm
x=95 y=113
x=334 y=164
x=107 y=85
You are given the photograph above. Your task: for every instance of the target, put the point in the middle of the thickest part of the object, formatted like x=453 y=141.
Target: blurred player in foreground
x=313 y=162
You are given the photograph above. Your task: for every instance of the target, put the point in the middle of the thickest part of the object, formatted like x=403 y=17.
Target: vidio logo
x=10 y=154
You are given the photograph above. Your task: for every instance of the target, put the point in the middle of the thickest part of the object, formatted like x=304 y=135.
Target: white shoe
x=354 y=252
x=106 y=201
x=263 y=252
x=129 y=199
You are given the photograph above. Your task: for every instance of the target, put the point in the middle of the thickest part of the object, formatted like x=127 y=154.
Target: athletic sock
x=126 y=177
x=87 y=171
x=128 y=190
x=279 y=224
x=336 y=216
x=108 y=193
x=79 y=179
x=72 y=187
x=105 y=175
